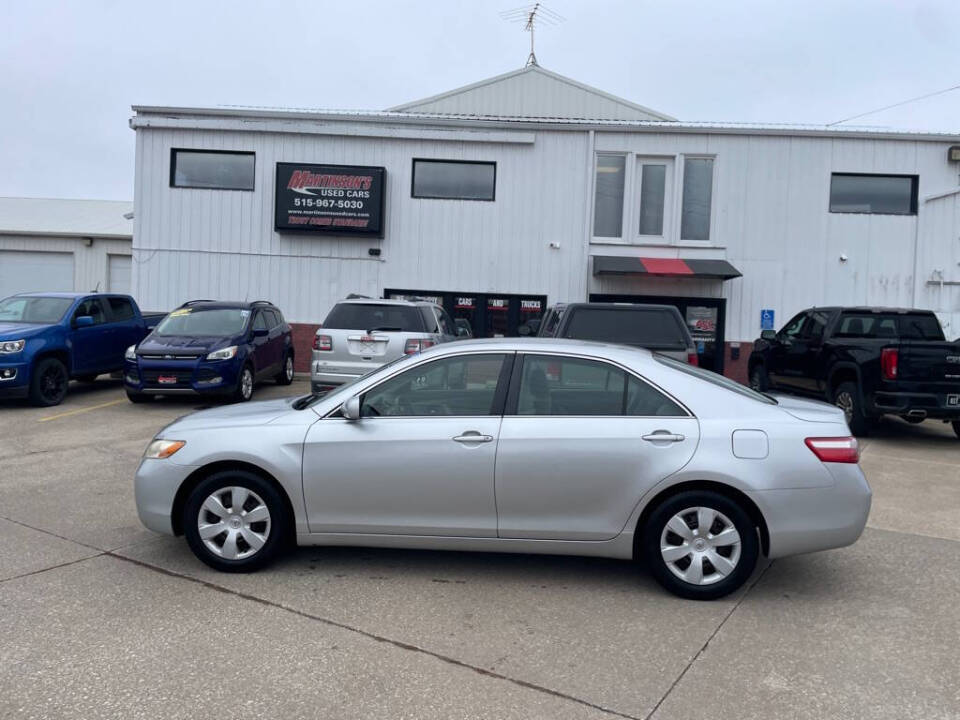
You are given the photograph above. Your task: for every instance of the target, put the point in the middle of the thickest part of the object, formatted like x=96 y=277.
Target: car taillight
x=835 y=449
x=415 y=345
x=693 y=359
x=889 y=362
x=322 y=342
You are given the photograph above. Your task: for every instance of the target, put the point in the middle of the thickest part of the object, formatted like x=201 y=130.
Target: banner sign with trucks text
x=330 y=199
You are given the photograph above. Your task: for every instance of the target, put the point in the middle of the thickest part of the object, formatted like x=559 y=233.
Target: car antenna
x=97 y=288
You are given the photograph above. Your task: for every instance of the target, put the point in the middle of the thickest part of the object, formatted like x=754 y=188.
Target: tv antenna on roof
x=532 y=16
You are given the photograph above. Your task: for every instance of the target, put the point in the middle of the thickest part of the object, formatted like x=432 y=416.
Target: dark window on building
x=454 y=180
x=874 y=194
x=121 y=309
x=608 y=196
x=697 y=199
x=212 y=169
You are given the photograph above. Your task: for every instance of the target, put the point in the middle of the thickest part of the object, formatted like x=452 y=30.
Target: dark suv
x=211 y=348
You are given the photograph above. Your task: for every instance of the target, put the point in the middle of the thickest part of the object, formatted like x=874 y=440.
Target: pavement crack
x=380 y=638
x=707 y=642
x=52 y=567
x=53 y=534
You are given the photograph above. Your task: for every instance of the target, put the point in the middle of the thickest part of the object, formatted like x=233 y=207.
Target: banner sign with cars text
x=330 y=199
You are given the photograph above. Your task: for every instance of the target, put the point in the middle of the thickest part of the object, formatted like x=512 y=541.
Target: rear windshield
x=204 y=322
x=654 y=328
x=370 y=316
x=911 y=326
x=715 y=379
x=39 y=310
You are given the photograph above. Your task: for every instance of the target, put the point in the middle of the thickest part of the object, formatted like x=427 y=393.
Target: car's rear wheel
x=700 y=545
x=847 y=398
x=244 y=390
x=235 y=521
x=759 y=380
x=956 y=427
x=285 y=376
x=49 y=383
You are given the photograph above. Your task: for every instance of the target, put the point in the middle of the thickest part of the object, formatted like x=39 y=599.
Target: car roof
x=385 y=301
x=69 y=295
x=621 y=306
x=227 y=304
x=542 y=344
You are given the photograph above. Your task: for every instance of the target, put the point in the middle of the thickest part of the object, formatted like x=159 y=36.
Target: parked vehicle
x=361 y=334
x=540 y=446
x=48 y=339
x=211 y=348
x=868 y=361
x=464 y=328
x=659 y=328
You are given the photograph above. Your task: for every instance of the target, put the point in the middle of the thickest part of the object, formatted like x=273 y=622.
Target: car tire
x=285 y=376
x=245 y=382
x=210 y=507
x=137 y=398
x=704 y=566
x=49 y=383
x=847 y=398
x=87 y=378
x=956 y=427
x=759 y=380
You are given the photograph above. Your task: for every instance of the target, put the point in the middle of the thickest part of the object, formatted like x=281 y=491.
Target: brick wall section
x=302 y=345
x=737 y=369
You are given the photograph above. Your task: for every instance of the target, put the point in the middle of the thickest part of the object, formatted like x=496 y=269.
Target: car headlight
x=131 y=353
x=223 y=354
x=160 y=449
x=11 y=346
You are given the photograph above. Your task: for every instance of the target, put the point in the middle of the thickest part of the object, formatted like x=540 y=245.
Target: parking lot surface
x=103 y=619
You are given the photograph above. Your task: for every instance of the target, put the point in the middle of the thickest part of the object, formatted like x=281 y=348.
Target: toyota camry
x=531 y=446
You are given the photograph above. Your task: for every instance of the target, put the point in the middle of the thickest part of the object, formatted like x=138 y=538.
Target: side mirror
x=768 y=335
x=83 y=321
x=260 y=332
x=462 y=332
x=523 y=331
x=351 y=409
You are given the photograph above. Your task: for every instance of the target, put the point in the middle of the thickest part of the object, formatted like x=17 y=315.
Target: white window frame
x=625 y=213
x=669 y=193
x=712 y=241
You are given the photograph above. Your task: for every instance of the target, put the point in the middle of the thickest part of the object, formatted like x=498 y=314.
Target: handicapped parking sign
x=766 y=320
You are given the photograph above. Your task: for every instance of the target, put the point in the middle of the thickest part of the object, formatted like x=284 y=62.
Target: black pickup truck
x=868 y=361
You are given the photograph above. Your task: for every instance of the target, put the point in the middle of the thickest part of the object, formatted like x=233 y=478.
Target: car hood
x=810 y=410
x=239 y=415
x=188 y=345
x=19 y=331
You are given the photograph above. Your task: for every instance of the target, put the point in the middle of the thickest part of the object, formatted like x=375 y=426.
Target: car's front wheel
x=49 y=383
x=235 y=521
x=700 y=545
x=244 y=389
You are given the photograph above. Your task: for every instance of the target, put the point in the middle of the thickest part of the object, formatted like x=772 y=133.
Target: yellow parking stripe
x=82 y=410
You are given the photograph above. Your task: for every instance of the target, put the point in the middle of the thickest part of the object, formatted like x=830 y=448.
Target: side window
x=273 y=318
x=815 y=326
x=93 y=308
x=446 y=324
x=429 y=319
x=450 y=387
x=259 y=321
x=549 y=328
x=121 y=309
x=644 y=400
x=793 y=328
x=278 y=317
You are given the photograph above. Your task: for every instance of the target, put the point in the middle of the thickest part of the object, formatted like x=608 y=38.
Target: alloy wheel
x=234 y=523
x=52 y=383
x=700 y=545
x=288 y=368
x=844 y=401
x=246 y=384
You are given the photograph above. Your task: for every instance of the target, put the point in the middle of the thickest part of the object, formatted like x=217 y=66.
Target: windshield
x=35 y=310
x=715 y=379
x=370 y=316
x=204 y=322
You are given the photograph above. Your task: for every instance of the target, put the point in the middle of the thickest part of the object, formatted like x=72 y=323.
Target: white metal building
x=530 y=188
x=64 y=245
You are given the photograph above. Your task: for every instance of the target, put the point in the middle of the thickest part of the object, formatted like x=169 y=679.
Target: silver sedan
x=533 y=446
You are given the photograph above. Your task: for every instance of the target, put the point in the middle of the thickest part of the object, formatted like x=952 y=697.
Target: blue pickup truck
x=48 y=339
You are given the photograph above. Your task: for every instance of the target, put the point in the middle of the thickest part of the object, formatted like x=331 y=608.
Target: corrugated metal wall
x=89 y=263
x=771 y=219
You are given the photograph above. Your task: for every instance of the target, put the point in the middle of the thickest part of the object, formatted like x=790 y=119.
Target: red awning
x=669 y=267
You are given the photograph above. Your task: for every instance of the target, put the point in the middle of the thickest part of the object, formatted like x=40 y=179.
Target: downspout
x=588 y=215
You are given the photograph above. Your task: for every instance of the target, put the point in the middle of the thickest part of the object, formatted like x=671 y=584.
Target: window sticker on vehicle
x=181 y=312
x=244 y=314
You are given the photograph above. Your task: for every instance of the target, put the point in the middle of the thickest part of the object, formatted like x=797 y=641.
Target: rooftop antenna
x=532 y=16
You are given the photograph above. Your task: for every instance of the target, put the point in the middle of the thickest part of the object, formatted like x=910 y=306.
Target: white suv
x=360 y=335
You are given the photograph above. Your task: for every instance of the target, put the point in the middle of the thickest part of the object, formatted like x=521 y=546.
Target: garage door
x=118 y=274
x=22 y=271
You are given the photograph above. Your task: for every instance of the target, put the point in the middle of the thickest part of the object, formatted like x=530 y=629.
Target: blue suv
x=211 y=348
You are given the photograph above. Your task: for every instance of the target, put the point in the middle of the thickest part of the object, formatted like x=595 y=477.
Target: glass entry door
x=704 y=317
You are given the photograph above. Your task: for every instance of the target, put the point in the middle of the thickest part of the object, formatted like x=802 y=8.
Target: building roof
x=55 y=216
x=532 y=92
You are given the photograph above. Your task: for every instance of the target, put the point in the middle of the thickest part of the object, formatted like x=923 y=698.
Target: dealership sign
x=332 y=199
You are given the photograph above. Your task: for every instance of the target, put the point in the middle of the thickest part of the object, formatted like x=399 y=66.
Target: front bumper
x=806 y=520
x=14 y=379
x=155 y=488
x=194 y=377
x=931 y=405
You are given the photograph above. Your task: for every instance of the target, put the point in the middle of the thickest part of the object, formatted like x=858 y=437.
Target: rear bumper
x=932 y=405
x=811 y=519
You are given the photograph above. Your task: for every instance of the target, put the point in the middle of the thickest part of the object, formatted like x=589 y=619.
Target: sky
x=70 y=70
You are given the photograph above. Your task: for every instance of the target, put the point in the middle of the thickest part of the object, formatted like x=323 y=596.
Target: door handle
x=472 y=436
x=663 y=436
